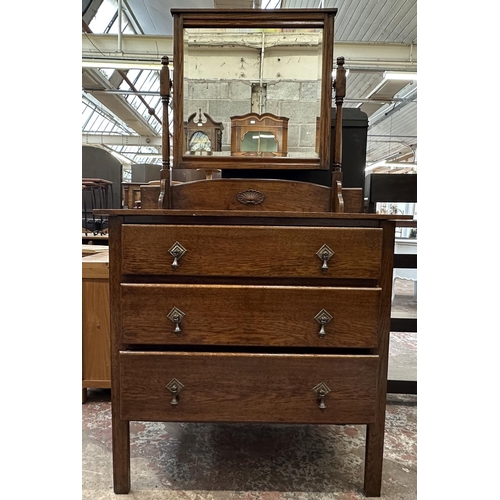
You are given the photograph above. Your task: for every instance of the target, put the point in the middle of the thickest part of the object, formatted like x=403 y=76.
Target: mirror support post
x=165 y=87
x=339 y=85
x=326 y=92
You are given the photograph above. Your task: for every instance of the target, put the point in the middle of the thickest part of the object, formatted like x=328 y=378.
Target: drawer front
x=228 y=387
x=250 y=315
x=251 y=251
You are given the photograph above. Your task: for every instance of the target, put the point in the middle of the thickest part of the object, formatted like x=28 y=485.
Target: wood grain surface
x=120 y=428
x=332 y=218
x=228 y=387
x=96 y=359
x=221 y=194
x=250 y=315
x=375 y=432
x=251 y=251
x=96 y=264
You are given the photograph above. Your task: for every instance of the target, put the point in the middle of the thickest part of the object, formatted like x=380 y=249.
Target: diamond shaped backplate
x=321 y=389
x=323 y=317
x=174 y=386
x=325 y=252
x=175 y=315
x=177 y=250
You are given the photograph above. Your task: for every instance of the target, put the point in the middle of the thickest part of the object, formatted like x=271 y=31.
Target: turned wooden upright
x=165 y=175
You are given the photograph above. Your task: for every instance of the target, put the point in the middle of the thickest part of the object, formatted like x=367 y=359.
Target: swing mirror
x=275 y=68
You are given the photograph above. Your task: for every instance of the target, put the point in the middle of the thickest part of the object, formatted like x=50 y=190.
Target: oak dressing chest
x=239 y=300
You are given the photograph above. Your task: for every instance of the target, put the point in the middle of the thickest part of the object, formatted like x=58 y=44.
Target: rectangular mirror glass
x=232 y=72
x=265 y=80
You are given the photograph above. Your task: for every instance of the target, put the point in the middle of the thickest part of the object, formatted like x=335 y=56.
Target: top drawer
x=251 y=251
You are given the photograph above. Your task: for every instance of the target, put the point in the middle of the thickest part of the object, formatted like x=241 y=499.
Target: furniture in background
x=131 y=194
x=95 y=239
x=398 y=188
x=202 y=136
x=100 y=163
x=405 y=246
x=354 y=141
x=141 y=174
x=389 y=188
x=144 y=172
x=259 y=135
x=96 y=359
x=96 y=194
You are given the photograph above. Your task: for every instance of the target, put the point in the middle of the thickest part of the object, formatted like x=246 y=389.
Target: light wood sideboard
x=96 y=359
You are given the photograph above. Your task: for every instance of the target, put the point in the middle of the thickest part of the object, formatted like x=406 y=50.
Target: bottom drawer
x=229 y=387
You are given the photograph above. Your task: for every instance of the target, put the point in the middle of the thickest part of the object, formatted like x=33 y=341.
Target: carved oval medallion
x=250 y=197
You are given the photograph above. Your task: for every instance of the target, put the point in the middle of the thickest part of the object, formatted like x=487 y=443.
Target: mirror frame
x=253 y=18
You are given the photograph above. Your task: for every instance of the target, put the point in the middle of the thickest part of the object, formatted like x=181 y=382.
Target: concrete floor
x=189 y=461
x=403 y=347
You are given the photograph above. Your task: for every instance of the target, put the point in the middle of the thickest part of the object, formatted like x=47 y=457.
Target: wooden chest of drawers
x=248 y=317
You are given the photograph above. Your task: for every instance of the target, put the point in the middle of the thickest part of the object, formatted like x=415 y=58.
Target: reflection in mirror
x=199 y=141
x=202 y=134
x=259 y=134
x=259 y=142
x=235 y=71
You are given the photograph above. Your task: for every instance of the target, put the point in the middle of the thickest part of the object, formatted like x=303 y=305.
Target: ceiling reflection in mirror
x=231 y=72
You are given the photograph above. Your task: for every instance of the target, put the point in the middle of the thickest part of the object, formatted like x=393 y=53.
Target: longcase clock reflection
x=202 y=135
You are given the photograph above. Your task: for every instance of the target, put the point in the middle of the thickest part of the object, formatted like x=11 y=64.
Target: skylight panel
x=94 y=123
x=86 y=115
x=132 y=74
x=139 y=105
x=104 y=16
x=108 y=127
x=140 y=79
x=107 y=72
x=271 y=4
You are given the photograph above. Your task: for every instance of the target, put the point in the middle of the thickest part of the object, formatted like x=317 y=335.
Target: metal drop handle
x=176 y=251
x=323 y=318
x=175 y=387
x=321 y=390
x=175 y=264
x=321 y=395
x=325 y=253
x=176 y=316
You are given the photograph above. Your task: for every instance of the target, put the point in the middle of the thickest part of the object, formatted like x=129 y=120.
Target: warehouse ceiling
x=121 y=105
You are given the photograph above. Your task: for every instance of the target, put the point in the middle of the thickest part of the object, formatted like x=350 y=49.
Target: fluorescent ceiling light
x=263 y=136
x=375 y=165
x=120 y=64
x=391 y=165
x=391 y=75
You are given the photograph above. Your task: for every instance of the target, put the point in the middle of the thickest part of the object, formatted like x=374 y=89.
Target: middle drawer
x=250 y=315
